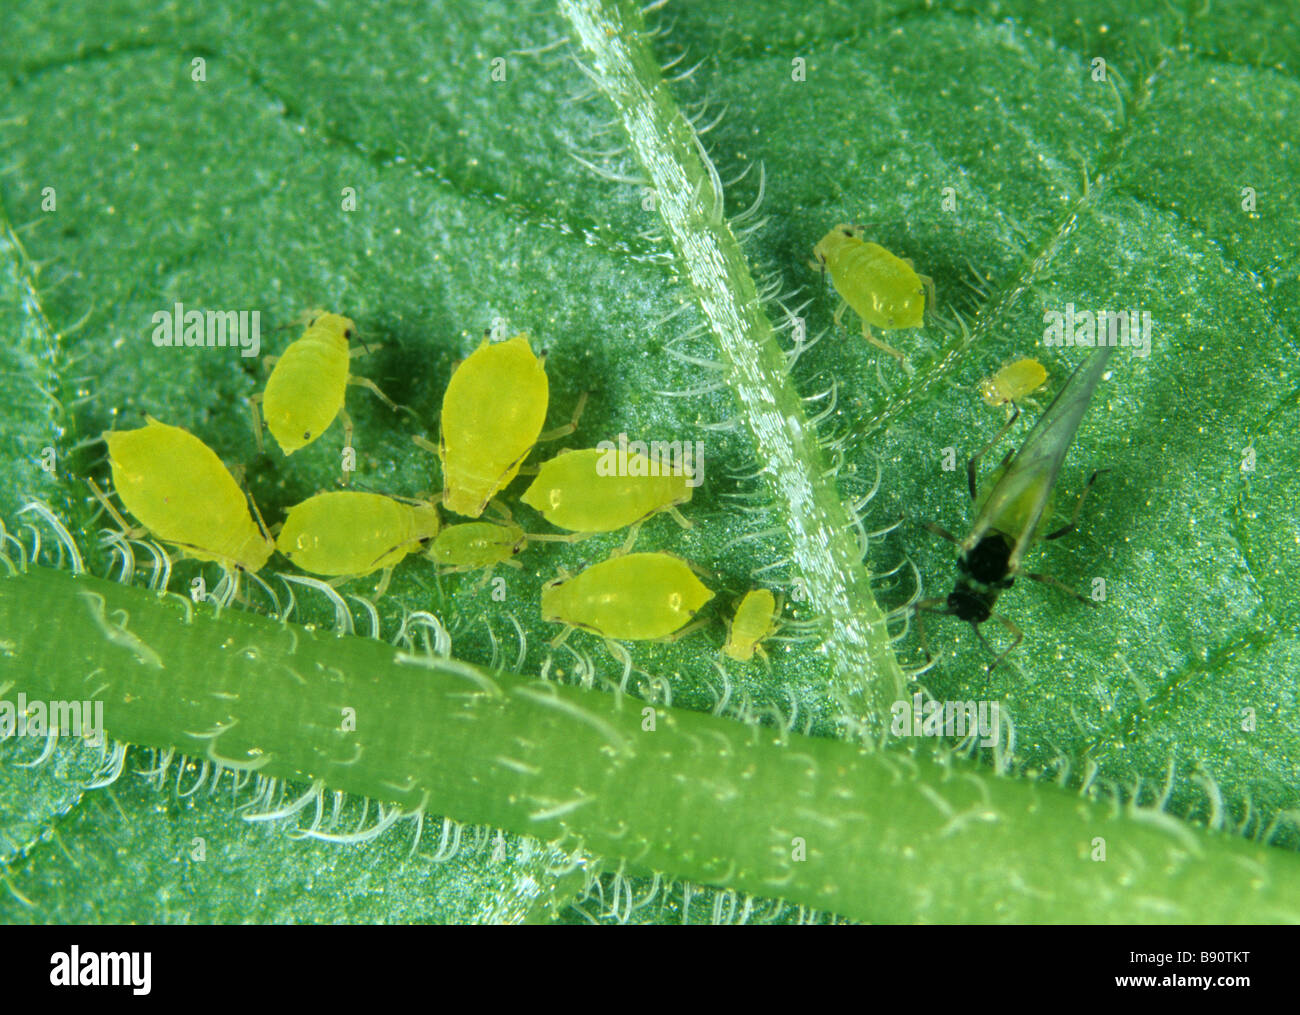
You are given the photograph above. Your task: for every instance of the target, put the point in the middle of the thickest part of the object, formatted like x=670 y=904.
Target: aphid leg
x=363 y=350
x=1017 y=635
x=499 y=508
x=128 y=530
x=384 y=579
x=270 y=361
x=569 y=427
x=486 y=576
x=690 y=628
x=427 y=445
x=974 y=459
x=680 y=519
x=1047 y=579
x=558 y=640
x=932 y=605
x=257 y=513
x=633 y=532
x=371 y=386
x=563 y=537
x=1065 y=530
x=884 y=347
x=940 y=531
x=839 y=312
x=255 y=407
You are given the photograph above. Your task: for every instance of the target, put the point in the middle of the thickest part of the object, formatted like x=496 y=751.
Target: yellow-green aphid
x=1014 y=383
x=756 y=618
x=177 y=488
x=308 y=385
x=469 y=546
x=581 y=492
x=634 y=597
x=492 y=415
x=884 y=290
x=347 y=534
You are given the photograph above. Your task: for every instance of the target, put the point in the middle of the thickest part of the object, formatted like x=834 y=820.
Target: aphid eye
x=848 y=231
x=307 y=436
x=347 y=333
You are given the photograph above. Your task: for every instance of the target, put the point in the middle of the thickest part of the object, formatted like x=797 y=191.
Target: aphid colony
x=492 y=416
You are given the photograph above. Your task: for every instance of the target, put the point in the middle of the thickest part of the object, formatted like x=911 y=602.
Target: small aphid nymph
x=632 y=597
x=757 y=618
x=884 y=290
x=178 y=489
x=469 y=546
x=346 y=534
x=1013 y=384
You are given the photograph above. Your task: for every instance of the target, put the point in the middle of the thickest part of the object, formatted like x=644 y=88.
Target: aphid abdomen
x=177 y=488
x=307 y=387
x=571 y=492
x=351 y=533
x=987 y=561
x=492 y=414
x=637 y=596
x=884 y=291
x=755 y=619
x=1013 y=382
x=468 y=546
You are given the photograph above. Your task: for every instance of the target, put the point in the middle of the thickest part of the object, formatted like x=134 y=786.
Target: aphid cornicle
x=884 y=290
x=1013 y=514
x=570 y=492
x=308 y=385
x=492 y=416
x=757 y=617
x=1013 y=384
x=178 y=489
x=632 y=597
x=347 y=534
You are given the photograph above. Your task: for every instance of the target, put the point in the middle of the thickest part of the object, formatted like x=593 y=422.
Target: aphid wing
x=1016 y=503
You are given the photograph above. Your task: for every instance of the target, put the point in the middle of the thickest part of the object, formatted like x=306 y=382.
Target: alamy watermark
x=1131 y=328
x=179 y=327
x=41 y=718
x=652 y=458
x=933 y=718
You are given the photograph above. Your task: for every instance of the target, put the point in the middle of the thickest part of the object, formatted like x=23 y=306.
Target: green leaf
x=482 y=199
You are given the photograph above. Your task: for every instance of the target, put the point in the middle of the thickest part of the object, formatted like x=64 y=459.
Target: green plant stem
x=884 y=836
x=825 y=549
